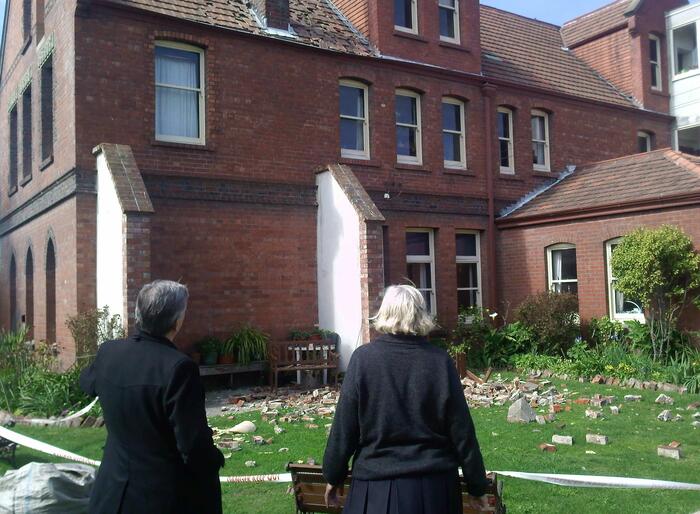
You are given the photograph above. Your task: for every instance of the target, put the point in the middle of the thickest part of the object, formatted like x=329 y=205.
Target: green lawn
x=634 y=435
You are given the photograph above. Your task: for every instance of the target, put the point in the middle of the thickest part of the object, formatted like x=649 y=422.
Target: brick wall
x=522 y=255
x=611 y=57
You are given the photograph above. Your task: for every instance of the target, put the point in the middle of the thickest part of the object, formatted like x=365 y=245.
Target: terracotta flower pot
x=226 y=359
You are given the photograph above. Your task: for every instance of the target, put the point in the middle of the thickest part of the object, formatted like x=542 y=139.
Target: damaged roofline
x=537 y=192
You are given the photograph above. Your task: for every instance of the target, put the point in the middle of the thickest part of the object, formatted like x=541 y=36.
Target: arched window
x=13 y=294
x=29 y=292
x=50 y=292
x=562 y=272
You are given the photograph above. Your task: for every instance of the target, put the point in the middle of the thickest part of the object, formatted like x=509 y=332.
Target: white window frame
x=426 y=259
x=547 y=164
x=464 y=259
x=201 y=140
x=461 y=164
x=647 y=137
x=407 y=159
x=455 y=22
x=676 y=134
x=611 y=287
x=510 y=169
x=354 y=154
x=550 y=281
x=414 y=20
x=674 y=56
x=657 y=64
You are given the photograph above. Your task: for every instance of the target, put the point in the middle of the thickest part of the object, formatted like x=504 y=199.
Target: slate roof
x=128 y=182
x=531 y=53
x=315 y=22
x=653 y=176
x=596 y=22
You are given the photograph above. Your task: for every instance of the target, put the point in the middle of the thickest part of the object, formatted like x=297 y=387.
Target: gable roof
x=605 y=19
x=315 y=23
x=652 y=177
x=529 y=52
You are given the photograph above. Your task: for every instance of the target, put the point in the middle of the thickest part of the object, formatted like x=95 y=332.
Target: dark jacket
x=159 y=456
x=402 y=413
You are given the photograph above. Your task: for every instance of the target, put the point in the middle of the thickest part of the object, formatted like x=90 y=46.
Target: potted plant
x=252 y=344
x=209 y=346
x=299 y=335
x=227 y=350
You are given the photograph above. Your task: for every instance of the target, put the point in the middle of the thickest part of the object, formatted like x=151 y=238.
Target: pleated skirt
x=428 y=494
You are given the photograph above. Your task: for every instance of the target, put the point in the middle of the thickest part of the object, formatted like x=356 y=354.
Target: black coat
x=159 y=457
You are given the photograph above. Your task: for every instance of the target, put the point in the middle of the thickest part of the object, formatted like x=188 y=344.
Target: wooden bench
x=302 y=356
x=310 y=487
x=232 y=369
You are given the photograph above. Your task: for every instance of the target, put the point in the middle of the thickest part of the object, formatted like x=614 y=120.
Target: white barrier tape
x=28 y=442
x=600 y=481
x=283 y=478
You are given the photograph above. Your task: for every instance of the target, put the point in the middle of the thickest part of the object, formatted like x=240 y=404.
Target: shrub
x=553 y=320
x=92 y=328
x=603 y=331
x=661 y=269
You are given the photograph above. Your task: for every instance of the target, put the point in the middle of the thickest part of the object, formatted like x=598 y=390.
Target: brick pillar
x=371 y=271
x=137 y=261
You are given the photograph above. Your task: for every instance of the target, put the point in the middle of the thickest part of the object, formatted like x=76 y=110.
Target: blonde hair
x=403 y=311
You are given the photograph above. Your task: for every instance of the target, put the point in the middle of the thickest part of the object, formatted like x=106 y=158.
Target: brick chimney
x=275 y=13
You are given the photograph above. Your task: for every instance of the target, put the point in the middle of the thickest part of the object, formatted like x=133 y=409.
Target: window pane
x=406 y=110
x=566 y=287
x=452 y=147
x=689 y=140
x=685 y=47
x=643 y=144
x=447 y=23
x=625 y=306
x=406 y=141
x=466 y=245
x=177 y=67
x=402 y=14
x=653 y=50
x=538 y=153
x=451 y=119
x=505 y=154
x=538 y=128
x=177 y=112
x=564 y=264
x=352 y=135
x=466 y=299
x=448 y=3
x=503 y=125
x=654 y=75
x=352 y=101
x=417 y=243
x=419 y=274
x=467 y=276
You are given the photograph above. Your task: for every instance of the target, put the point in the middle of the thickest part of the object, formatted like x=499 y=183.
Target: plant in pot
x=227 y=350
x=252 y=344
x=209 y=347
x=299 y=335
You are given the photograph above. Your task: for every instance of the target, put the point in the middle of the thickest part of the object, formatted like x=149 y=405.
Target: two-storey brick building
x=286 y=159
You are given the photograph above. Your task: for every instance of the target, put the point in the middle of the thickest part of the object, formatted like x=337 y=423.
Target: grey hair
x=159 y=305
x=403 y=311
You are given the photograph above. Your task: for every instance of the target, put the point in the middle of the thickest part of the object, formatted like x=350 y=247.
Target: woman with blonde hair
x=403 y=419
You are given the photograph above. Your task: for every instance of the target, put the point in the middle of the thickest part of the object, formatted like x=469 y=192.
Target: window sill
x=660 y=92
x=542 y=173
x=411 y=167
x=12 y=191
x=25 y=180
x=182 y=146
x=454 y=46
x=410 y=35
x=459 y=172
x=371 y=163
x=46 y=163
x=26 y=44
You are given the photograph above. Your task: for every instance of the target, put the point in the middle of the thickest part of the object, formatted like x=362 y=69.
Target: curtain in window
x=177 y=93
x=557 y=265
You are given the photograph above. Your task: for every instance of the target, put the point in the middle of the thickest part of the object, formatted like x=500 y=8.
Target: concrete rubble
x=521 y=412
x=664 y=400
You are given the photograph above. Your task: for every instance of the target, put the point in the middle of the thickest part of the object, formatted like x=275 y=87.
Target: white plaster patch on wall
x=339 y=285
x=110 y=246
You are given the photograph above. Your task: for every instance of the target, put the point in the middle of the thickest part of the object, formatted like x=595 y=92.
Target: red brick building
x=288 y=159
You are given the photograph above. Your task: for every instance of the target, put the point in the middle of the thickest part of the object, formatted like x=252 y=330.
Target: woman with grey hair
x=159 y=456
x=403 y=419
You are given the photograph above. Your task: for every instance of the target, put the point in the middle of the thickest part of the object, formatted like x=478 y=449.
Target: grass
x=633 y=435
